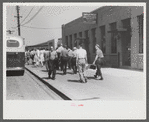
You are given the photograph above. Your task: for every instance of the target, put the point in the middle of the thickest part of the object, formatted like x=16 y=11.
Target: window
x=66 y=40
x=94 y=39
x=70 y=41
x=75 y=37
x=12 y=43
x=80 y=34
x=140 y=22
x=103 y=39
x=113 y=39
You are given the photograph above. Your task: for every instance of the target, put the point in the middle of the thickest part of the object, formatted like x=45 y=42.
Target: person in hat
x=59 y=50
x=74 y=55
x=69 y=58
x=98 y=61
x=64 y=59
x=52 y=63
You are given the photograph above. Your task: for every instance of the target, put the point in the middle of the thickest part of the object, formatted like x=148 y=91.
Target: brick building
x=118 y=30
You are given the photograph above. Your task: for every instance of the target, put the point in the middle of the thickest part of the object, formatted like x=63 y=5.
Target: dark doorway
x=126 y=43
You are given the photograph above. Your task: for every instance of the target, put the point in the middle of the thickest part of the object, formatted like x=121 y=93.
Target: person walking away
x=81 y=61
x=98 y=61
x=74 y=55
x=59 y=50
x=42 y=56
x=28 y=57
x=64 y=59
x=69 y=58
x=46 y=57
x=36 y=58
x=52 y=63
x=32 y=56
x=34 y=52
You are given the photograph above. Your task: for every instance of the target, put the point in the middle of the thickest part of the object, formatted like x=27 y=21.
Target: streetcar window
x=12 y=43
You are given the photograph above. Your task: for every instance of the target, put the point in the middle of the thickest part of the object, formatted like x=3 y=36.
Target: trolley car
x=15 y=52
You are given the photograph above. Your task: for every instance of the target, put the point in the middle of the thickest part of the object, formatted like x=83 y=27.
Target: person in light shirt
x=98 y=61
x=52 y=63
x=46 y=57
x=59 y=50
x=81 y=60
x=69 y=58
x=64 y=59
x=73 y=61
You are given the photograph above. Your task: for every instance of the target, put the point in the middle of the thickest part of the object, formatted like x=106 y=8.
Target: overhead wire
x=22 y=25
x=40 y=28
x=33 y=16
x=27 y=15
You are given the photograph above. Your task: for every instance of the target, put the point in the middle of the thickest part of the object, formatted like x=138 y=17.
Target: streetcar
x=15 y=53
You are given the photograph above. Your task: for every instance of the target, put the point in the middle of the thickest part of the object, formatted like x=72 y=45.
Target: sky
x=42 y=22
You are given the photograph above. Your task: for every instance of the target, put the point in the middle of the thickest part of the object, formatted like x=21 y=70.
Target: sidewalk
x=118 y=84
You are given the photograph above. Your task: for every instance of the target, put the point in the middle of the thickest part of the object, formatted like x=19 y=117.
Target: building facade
x=119 y=32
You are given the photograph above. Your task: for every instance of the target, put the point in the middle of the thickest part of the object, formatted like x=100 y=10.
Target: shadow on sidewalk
x=70 y=73
x=91 y=78
x=44 y=70
x=59 y=73
x=45 y=78
x=76 y=81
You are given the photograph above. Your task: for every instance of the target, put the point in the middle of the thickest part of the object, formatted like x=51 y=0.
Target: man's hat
x=98 y=45
x=74 y=48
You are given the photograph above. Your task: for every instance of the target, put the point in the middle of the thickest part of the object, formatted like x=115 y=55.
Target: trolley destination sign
x=89 y=18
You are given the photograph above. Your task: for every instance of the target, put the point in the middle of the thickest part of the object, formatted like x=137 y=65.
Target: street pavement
x=118 y=84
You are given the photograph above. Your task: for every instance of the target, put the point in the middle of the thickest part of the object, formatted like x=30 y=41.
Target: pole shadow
x=75 y=81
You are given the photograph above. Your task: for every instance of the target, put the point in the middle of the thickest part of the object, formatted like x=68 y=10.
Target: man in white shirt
x=81 y=61
x=74 y=55
x=59 y=50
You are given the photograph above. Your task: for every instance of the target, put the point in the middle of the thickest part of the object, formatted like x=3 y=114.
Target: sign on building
x=89 y=18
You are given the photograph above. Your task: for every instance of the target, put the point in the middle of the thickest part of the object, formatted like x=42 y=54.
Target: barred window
x=103 y=40
x=140 y=21
x=113 y=39
x=66 y=40
x=75 y=37
x=80 y=34
x=70 y=41
x=94 y=39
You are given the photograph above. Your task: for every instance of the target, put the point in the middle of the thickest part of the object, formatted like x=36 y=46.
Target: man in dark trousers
x=69 y=58
x=64 y=58
x=52 y=63
x=58 y=50
x=74 y=55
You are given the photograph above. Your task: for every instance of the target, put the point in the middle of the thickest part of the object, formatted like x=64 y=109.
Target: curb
x=50 y=86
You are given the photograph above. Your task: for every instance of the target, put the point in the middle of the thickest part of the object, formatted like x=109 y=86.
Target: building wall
x=106 y=16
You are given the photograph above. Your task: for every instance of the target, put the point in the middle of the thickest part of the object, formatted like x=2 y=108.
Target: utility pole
x=18 y=19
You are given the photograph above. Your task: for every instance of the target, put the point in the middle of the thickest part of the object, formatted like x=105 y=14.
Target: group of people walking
x=63 y=58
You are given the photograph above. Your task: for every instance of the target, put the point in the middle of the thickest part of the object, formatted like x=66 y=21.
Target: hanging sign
x=89 y=18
